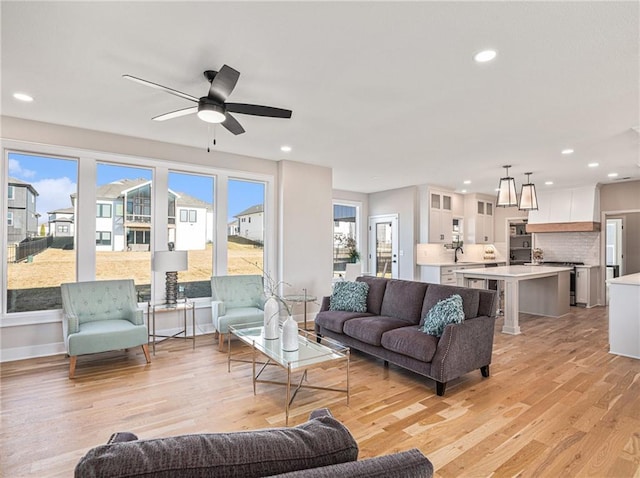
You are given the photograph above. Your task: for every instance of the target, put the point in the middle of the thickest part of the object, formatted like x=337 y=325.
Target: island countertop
x=630 y=279
x=513 y=271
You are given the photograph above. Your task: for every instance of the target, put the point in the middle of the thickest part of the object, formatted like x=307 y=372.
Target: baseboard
x=32 y=351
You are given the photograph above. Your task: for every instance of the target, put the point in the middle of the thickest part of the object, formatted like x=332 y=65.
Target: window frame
x=100 y=206
x=11 y=192
x=9 y=218
x=85 y=214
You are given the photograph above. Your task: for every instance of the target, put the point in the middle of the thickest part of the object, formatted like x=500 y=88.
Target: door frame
x=373 y=221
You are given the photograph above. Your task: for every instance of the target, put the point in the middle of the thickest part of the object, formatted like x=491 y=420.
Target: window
x=193 y=235
x=63 y=228
x=345 y=240
x=245 y=250
x=35 y=268
x=123 y=242
x=103 y=238
x=103 y=210
x=12 y=192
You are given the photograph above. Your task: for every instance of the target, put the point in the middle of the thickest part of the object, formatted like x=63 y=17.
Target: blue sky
x=56 y=179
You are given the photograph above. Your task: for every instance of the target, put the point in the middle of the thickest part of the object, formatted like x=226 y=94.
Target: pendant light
x=507 y=191
x=528 y=197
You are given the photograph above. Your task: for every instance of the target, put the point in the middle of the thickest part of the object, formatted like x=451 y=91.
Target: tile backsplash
x=569 y=246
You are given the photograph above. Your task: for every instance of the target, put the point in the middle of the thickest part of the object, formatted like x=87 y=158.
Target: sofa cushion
x=403 y=299
x=377 y=286
x=370 y=329
x=334 y=320
x=447 y=311
x=349 y=296
x=437 y=292
x=321 y=441
x=412 y=342
x=406 y=464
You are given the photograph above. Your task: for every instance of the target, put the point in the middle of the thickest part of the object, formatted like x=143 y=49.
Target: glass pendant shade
x=528 y=197
x=507 y=191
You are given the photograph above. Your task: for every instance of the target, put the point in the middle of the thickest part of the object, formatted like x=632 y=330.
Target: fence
x=28 y=247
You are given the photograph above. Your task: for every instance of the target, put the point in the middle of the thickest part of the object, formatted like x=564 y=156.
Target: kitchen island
x=537 y=290
x=624 y=315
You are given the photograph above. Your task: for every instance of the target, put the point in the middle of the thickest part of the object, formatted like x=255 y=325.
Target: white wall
x=402 y=202
x=305 y=230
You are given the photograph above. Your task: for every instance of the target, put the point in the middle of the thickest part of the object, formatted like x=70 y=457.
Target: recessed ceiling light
x=463 y=191
x=23 y=97
x=485 y=56
x=497 y=189
x=285 y=148
x=467 y=181
x=593 y=165
x=567 y=151
x=548 y=183
x=613 y=175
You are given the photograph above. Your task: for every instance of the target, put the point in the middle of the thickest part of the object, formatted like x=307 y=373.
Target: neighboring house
x=123 y=218
x=22 y=218
x=233 y=228
x=60 y=223
x=251 y=223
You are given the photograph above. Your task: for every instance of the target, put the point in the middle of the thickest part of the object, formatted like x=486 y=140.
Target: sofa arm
x=137 y=316
x=326 y=302
x=407 y=464
x=70 y=324
x=217 y=310
x=463 y=347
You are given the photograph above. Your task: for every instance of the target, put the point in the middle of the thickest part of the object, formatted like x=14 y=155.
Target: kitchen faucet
x=455 y=254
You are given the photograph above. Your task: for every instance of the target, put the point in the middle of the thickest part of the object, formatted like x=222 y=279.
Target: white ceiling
x=385 y=93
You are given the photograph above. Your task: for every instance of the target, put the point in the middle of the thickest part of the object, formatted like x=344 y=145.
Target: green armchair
x=236 y=300
x=99 y=316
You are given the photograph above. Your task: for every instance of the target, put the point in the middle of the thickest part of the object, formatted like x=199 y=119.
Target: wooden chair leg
x=221 y=342
x=72 y=365
x=145 y=349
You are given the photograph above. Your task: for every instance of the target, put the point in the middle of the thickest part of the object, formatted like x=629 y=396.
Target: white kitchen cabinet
x=440 y=217
x=587 y=286
x=479 y=224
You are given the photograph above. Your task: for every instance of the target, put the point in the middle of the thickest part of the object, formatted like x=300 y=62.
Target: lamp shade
x=528 y=197
x=170 y=261
x=507 y=191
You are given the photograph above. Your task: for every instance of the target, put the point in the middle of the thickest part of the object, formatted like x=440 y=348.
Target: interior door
x=383 y=246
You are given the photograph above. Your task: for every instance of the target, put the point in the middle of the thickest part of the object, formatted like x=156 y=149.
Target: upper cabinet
x=440 y=216
x=478 y=217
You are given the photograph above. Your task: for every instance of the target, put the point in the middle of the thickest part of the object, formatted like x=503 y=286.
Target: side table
x=301 y=298
x=184 y=306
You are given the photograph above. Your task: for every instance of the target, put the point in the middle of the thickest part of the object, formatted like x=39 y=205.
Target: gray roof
x=19 y=182
x=252 y=210
x=66 y=210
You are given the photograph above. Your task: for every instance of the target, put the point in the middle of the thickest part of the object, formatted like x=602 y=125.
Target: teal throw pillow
x=349 y=296
x=446 y=311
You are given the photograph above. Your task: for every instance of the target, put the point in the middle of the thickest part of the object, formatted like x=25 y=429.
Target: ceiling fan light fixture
x=507 y=191
x=211 y=113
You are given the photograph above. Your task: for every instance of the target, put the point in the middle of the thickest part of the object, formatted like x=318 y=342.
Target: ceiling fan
x=213 y=108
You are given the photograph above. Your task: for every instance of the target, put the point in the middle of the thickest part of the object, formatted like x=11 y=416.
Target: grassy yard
x=56 y=266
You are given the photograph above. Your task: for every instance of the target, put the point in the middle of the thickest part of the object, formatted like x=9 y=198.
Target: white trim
x=11 y=354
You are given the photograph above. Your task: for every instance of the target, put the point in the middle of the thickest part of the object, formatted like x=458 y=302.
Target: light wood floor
x=557 y=404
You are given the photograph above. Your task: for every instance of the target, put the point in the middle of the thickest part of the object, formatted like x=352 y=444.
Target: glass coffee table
x=310 y=353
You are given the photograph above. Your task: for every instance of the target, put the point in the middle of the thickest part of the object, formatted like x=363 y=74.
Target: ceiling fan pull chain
x=209 y=136
x=215 y=130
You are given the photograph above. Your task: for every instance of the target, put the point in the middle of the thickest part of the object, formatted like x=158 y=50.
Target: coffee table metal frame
x=309 y=354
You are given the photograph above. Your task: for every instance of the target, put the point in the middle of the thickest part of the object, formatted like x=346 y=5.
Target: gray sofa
x=319 y=448
x=390 y=328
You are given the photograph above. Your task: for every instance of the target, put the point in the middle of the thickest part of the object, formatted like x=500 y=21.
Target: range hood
x=567 y=210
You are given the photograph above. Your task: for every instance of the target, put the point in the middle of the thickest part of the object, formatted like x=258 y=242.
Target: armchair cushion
x=104 y=335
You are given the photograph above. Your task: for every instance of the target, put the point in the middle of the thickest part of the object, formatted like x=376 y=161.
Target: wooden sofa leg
x=485 y=371
x=221 y=342
x=72 y=365
x=145 y=349
x=440 y=388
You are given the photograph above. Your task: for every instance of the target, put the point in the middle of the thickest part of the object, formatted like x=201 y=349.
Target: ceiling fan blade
x=232 y=125
x=176 y=114
x=258 y=110
x=160 y=87
x=223 y=83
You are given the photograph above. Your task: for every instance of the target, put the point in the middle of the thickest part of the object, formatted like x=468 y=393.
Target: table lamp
x=170 y=262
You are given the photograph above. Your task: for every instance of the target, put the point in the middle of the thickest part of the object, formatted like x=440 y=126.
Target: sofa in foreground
x=390 y=327
x=319 y=448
